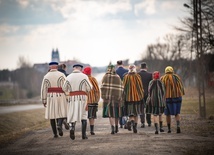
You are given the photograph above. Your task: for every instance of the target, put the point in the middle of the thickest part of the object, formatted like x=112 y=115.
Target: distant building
x=43 y=67
x=55 y=56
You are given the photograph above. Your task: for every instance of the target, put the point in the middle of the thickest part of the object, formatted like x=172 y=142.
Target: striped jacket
x=94 y=94
x=173 y=85
x=133 y=87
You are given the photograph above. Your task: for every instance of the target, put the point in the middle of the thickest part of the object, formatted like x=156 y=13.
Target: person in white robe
x=54 y=98
x=76 y=87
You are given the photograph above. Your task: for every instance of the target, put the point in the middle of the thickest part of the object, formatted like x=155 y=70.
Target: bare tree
x=23 y=62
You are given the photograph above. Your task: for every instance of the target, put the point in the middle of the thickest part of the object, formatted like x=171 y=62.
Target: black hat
x=77 y=65
x=143 y=65
x=53 y=63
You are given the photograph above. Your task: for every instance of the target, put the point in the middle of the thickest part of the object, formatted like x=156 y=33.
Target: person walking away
x=112 y=95
x=121 y=71
x=93 y=98
x=62 y=68
x=134 y=94
x=156 y=100
x=174 y=92
x=76 y=86
x=53 y=98
x=146 y=77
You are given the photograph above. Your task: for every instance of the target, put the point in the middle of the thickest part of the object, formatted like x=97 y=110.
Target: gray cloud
x=36 y=12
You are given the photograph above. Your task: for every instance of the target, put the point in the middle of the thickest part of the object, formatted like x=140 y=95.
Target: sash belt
x=77 y=93
x=55 y=90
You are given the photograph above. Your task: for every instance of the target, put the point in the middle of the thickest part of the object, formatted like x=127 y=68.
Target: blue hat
x=77 y=65
x=53 y=63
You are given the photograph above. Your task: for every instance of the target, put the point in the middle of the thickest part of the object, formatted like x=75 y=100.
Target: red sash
x=55 y=90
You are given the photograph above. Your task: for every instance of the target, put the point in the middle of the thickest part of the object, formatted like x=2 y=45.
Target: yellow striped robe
x=133 y=87
x=173 y=85
x=94 y=94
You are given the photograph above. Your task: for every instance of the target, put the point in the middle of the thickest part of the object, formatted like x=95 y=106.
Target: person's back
x=121 y=71
x=62 y=68
x=77 y=85
x=56 y=106
x=146 y=77
x=78 y=81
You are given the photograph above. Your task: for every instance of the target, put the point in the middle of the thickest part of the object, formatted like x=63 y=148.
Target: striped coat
x=56 y=102
x=133 y=87
x=156 y=97
x=94 y=94
x=173 y=85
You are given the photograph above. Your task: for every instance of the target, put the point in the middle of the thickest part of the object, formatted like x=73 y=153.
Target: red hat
x=156 y=75
x=87 y=70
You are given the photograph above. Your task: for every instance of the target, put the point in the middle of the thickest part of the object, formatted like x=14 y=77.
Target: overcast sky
x=91 y=31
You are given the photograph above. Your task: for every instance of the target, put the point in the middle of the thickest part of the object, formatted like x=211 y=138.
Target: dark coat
x=146 y=77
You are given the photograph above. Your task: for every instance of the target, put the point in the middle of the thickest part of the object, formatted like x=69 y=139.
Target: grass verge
x=13 y=125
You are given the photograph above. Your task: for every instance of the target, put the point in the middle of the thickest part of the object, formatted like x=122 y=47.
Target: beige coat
x=56 y=106
x=77 y=81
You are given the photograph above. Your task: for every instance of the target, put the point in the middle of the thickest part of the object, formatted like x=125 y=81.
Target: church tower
x=55 y=56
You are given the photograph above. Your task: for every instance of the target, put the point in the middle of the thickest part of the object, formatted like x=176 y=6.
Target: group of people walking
x=70 y=98
x=126 y=93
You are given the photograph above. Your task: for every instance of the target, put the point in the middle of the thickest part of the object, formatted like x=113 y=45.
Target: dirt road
x=125 y=142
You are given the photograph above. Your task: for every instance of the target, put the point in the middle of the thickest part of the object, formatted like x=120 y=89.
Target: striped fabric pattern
x=92 y=110
x=133 y=87
x=173 y=85
x=156 y=97
x=94 y=94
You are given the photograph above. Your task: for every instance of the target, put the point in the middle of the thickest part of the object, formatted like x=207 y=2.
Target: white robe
x=77 y=81
x=56 y=106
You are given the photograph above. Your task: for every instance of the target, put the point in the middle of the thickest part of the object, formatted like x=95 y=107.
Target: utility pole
x=200 y=57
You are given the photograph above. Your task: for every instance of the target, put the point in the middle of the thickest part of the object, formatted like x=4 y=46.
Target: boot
x=66 y=125
x=156 y=128
x=169 y=127
x=116 y=129
x=178 y=130
x=53 y=126
x=135 y=128
x=84 y=125
x=72 y=130
x=129 y=126
x=178 y=127
x=59 y=126
x=112 y=129
x=92 y=129
x=161 y=126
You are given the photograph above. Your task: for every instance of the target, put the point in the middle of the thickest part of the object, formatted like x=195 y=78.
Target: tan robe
x=56 y=102
x=77 y=81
